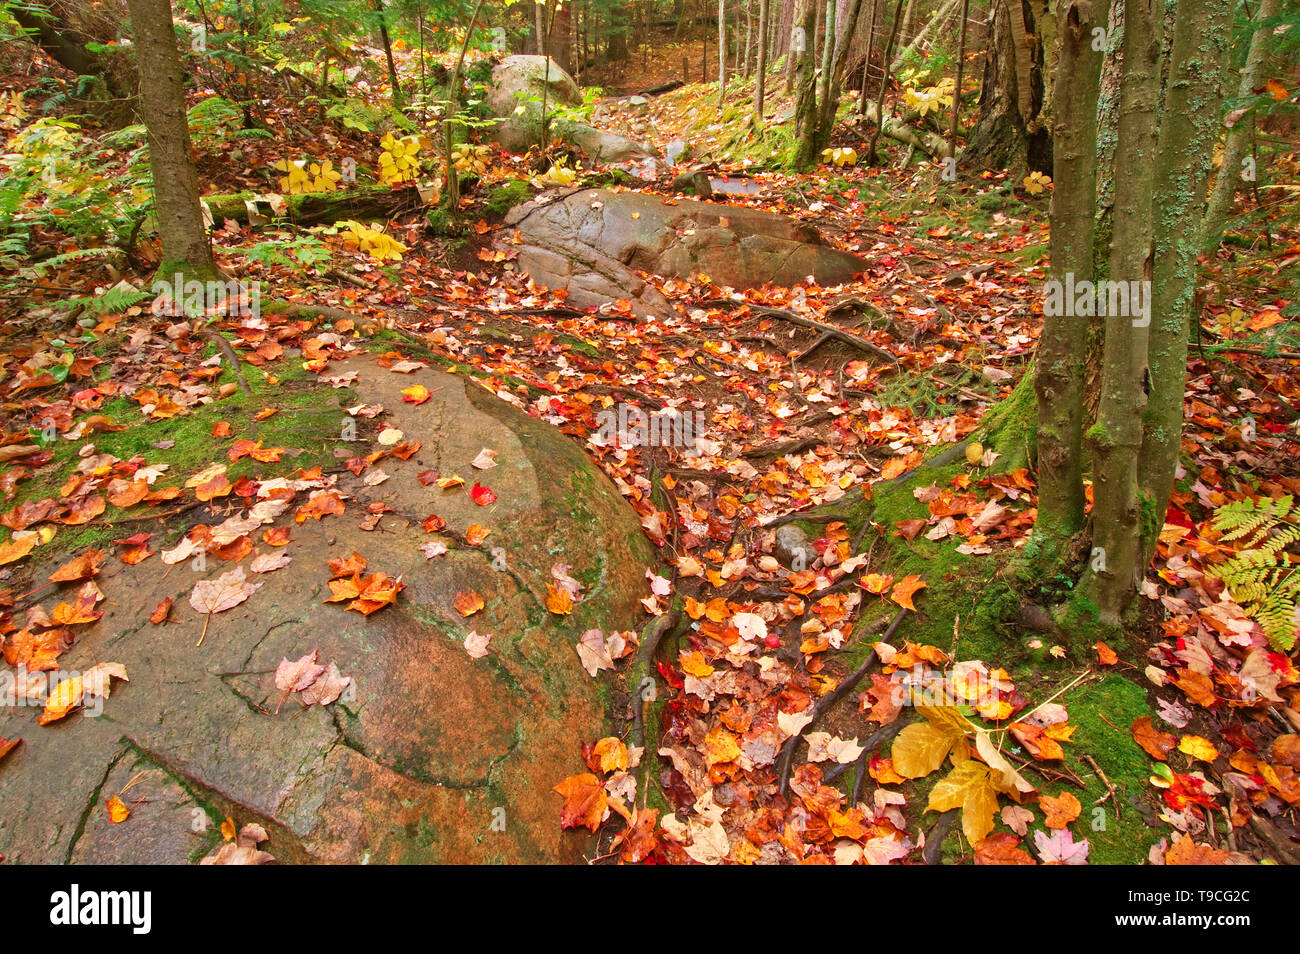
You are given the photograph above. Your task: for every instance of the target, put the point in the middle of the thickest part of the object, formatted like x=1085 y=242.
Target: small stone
x=794 y=550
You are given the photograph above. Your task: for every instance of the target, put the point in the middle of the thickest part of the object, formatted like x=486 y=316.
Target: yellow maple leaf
x=921 y=747
x=969 y=787
x=612 y=754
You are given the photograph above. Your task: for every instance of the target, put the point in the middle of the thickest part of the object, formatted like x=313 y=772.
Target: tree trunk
x=760 y=71
x=722 y=53
x=884 y=81
x=398 y=100
x=1107 y=127
x=1063 y=342
x=816 y=115
x=176 y=188
x=1010 y=132
x=828 y=52
x=940 y=17
x=928 y=142
x=453 y=106
x=560 y=43
x=1202 y=41
x=956 y=89
x=1234 y=150
x=1116 y=438
x=866 y=57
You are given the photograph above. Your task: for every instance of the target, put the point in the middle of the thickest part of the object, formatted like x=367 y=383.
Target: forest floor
x=1153 y=750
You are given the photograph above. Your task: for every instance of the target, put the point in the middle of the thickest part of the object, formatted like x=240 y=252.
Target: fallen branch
x=930 y=143
x=1105 y=781
x=937 y=833
x=315 y=208
x=232 y=360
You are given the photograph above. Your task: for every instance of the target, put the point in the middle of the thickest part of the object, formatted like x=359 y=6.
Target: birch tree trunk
x=760 y=70
x=722 y=52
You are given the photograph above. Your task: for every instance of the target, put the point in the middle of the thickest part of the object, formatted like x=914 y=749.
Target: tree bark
x=760 y=71
x=930 y=143
x=175 y=183
x=884 y=81
x=1234 y=150
x=722 y=52
x=1116 y=438
x=828 y=51
x=866 y=57
x=398 y=100
x=1063 y=342
x=1009 y=132
x=1202 y=41
x=1107 y=134
x=956 y=89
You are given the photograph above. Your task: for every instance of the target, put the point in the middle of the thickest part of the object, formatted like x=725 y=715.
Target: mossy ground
x=308 y=423
x=970 y=610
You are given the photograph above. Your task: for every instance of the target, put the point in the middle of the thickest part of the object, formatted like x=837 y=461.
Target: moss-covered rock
x=436 y=756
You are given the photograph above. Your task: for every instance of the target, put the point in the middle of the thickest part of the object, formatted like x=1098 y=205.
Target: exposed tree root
x=826 y=702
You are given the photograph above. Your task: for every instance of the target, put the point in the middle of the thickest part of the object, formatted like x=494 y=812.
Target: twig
x=837 y=333
x=1109 y=787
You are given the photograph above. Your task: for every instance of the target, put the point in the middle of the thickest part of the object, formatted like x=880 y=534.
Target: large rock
x=435 y=747
x=518 y=81
x=593 y=242
x=515 y=97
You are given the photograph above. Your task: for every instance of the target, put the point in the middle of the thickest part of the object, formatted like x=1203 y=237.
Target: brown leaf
x=82 y=568
x=585 y=801
x=467 y=604
x=161 y=611
x=1002 y=848
x=1157 y=744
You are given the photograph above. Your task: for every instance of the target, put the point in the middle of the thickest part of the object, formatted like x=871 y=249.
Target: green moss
x=442 y=222
x=506 y=196
x=304 y=424
x=1102 y=712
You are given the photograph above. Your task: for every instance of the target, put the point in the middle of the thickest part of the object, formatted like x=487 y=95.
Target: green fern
x=66 y=258
x=1262 y=576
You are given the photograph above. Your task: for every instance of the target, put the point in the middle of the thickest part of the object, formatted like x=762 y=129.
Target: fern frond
x=1264 y=574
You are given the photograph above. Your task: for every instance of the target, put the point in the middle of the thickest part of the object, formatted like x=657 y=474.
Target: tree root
x=232 y=359
x=930 y=854
x=826 y=702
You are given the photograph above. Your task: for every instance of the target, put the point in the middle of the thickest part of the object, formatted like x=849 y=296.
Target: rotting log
x=314 y=208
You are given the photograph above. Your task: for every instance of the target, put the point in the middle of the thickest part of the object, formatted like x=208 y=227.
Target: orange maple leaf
x=585 y=802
